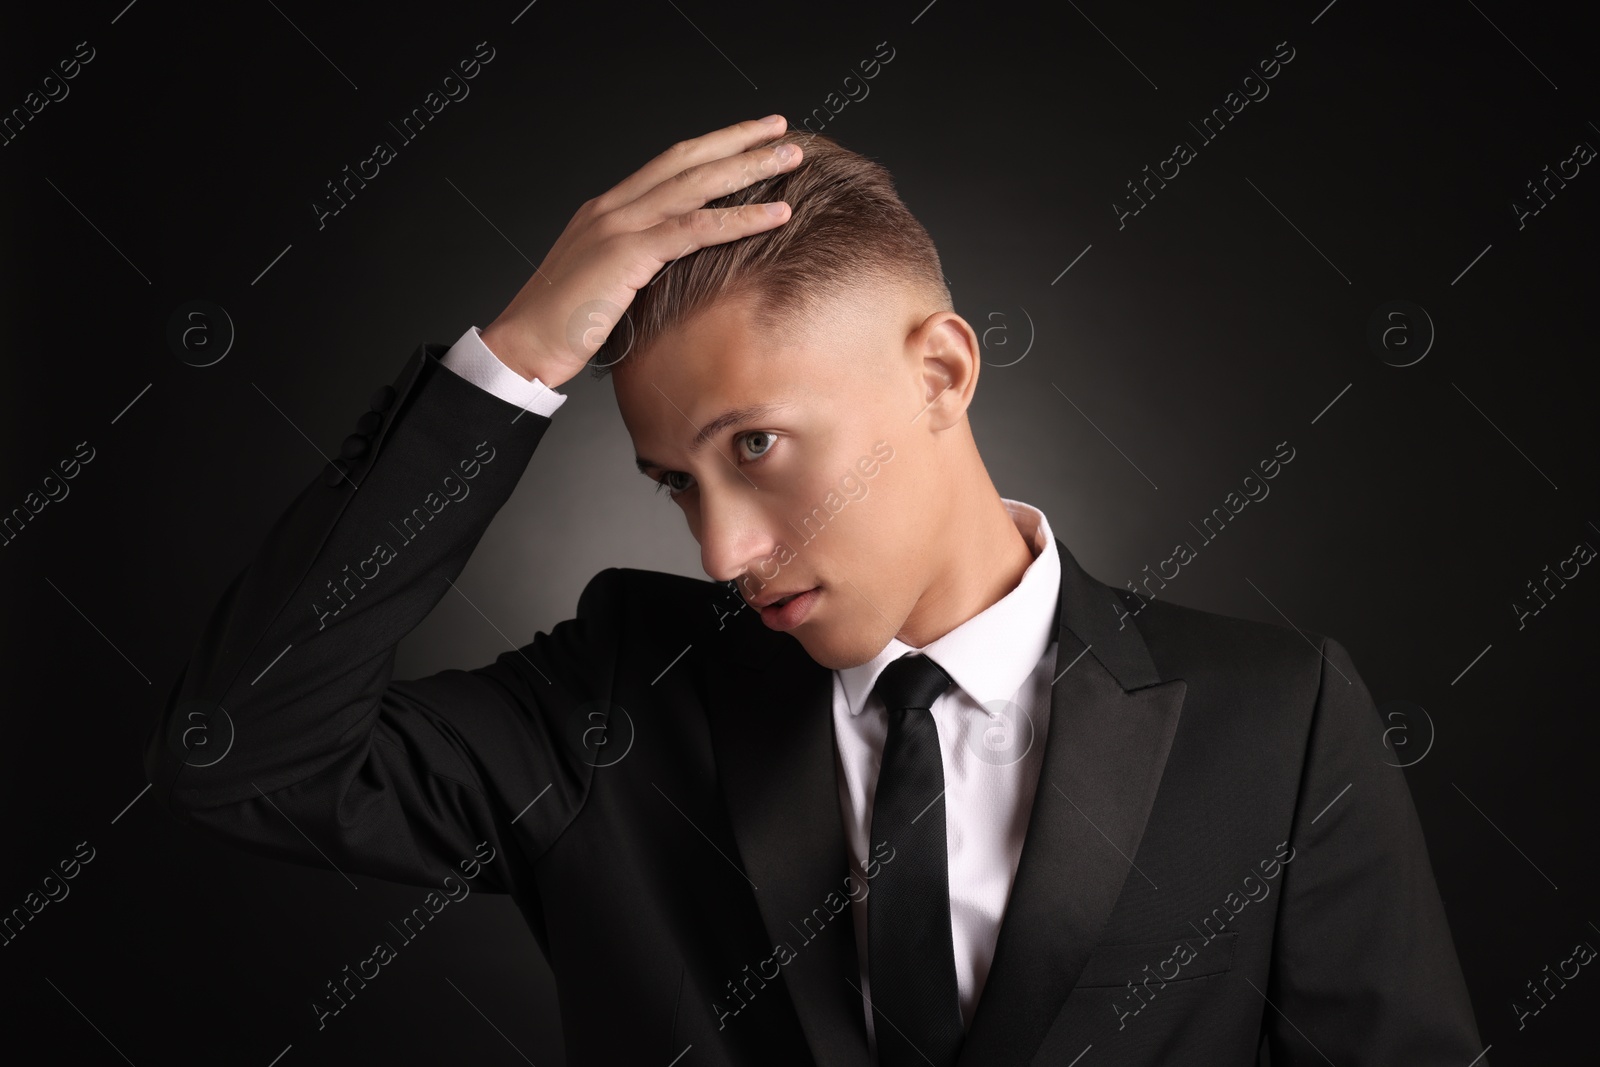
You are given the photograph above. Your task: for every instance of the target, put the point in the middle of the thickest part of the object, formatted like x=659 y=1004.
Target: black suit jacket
x=1220 y=866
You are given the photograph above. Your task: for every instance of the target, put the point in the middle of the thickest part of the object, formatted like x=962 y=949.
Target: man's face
x=832 y=487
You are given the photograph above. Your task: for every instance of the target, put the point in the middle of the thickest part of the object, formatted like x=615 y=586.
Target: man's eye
x=758 y=434
x=666 y=482
x=763 y=441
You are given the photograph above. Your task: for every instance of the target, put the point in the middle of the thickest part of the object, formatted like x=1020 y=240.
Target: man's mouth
x=782 y=600
x=789 y=610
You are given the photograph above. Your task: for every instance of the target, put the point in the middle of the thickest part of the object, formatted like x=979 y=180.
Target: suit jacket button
x=382 y=398
x=368 y=424
x=333 y=474
x=354 y=445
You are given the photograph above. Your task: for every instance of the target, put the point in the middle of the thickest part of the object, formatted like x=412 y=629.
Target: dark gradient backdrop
x=1139 y=366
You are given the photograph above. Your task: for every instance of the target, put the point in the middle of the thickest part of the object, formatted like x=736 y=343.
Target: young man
x=1060 y=819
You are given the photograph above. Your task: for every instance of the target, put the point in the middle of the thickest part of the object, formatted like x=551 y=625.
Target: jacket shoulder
x=657 y=597
x=1208 y=647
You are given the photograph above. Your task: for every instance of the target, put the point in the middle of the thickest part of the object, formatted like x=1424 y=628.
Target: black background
x=1126 y=397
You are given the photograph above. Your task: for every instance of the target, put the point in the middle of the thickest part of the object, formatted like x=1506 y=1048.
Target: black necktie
x=916 y=1009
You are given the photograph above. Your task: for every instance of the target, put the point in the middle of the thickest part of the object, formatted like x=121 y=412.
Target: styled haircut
x=847 y=227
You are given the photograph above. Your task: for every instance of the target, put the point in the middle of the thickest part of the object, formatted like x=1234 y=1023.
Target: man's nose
x=734 y=535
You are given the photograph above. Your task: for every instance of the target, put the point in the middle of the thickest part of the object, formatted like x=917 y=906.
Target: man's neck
x=984 y=559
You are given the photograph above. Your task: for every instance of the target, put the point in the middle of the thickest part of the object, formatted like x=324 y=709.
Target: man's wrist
x=529 y=366
x=470 y=358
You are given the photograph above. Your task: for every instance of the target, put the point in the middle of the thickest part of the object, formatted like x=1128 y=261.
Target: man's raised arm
x=286 y=733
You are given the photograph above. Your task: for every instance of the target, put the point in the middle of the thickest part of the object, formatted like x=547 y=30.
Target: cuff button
x=382 y=398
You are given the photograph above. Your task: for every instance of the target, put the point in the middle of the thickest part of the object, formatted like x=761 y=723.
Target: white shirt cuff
x=471 y=359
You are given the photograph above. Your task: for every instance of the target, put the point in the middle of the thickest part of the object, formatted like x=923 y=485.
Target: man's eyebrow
x=729 y=418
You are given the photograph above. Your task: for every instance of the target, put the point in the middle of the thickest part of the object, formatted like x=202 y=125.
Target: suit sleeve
x=1364 y=970
x=286 y=734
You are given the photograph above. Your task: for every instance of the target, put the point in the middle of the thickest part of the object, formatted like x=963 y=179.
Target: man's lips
x=787 y=611
x=768 y=601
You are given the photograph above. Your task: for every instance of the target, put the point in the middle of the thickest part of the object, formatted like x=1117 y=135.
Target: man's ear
x=947 y=348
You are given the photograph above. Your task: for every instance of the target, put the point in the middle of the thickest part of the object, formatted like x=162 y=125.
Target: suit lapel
x=1111 y=726
x=769 y=707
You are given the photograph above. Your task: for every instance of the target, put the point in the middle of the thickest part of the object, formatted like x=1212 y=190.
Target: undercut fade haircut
x=847 y=228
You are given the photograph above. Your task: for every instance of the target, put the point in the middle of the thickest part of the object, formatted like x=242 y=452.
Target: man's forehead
x=723 y=358
x=725 y=370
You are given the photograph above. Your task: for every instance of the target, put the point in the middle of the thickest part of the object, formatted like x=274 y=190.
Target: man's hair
x=847 y=227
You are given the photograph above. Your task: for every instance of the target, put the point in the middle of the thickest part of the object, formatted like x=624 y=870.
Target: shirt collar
x=992 y=654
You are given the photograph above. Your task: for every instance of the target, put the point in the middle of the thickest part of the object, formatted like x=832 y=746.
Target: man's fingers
x=682 y=234
x=728 y=141
x=611 y=249
x=695 y=187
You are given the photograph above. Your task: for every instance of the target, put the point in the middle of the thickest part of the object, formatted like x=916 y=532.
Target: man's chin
x=836 y=651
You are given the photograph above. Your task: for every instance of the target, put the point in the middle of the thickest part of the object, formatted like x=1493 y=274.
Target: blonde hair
x=847 y=225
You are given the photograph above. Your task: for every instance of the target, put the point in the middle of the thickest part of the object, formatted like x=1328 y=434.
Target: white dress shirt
x=991 y=723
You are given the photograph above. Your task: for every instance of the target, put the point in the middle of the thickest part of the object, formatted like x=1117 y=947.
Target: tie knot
x=912 y=681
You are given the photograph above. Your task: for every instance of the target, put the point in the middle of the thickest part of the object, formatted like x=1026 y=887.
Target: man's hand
x=617 y=242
